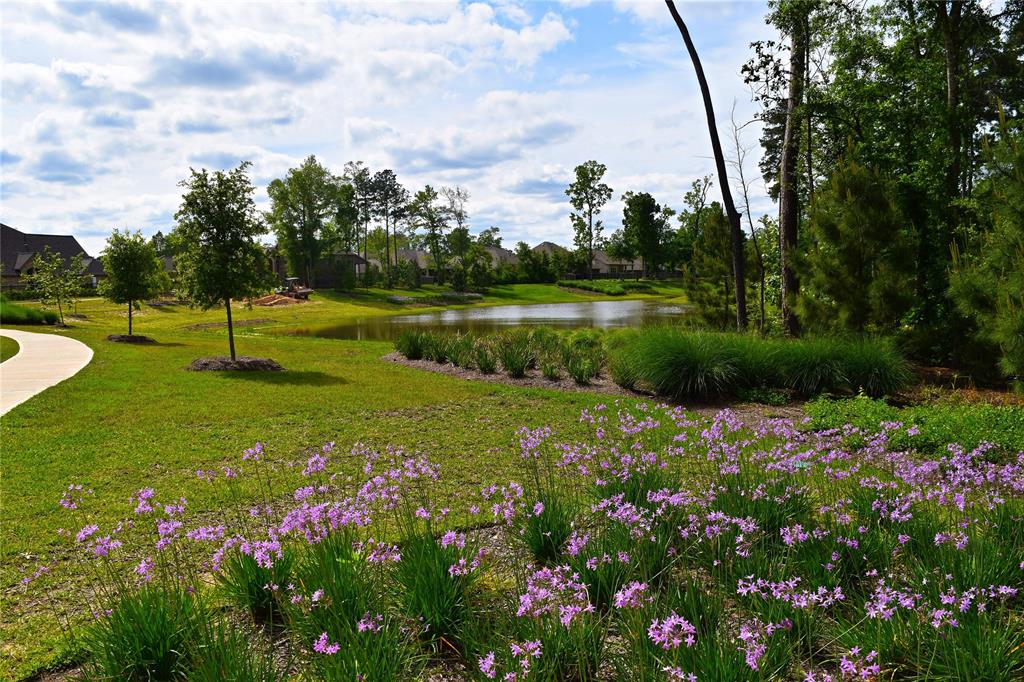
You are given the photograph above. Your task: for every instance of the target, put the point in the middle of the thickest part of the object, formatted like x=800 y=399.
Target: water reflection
x=604 y=314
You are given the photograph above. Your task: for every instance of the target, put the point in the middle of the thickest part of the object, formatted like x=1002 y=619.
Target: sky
x=106 y=105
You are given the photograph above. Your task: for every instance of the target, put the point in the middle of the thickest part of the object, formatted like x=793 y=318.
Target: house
x=327 y=271
x=18 y=251
x=500 y=256
x=550 y=248
x=605 y=265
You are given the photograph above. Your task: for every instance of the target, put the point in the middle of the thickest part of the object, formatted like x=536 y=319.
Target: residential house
x=327 y=271
x=18 y=251
x=606 y=266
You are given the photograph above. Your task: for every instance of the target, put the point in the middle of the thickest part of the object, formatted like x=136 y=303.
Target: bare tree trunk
x=807 y=110
x=231 y=329
x=740 y=160
x=950 y=19
x=129 y=318
x=723 y=178
x=789 y=210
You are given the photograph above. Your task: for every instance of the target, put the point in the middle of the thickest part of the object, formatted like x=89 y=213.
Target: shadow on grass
x=288 y=377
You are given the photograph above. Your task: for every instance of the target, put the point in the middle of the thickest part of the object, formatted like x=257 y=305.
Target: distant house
x=550 y=248
x=606 y=265
x=18 y=252
x=327 y=271
x=500 y=256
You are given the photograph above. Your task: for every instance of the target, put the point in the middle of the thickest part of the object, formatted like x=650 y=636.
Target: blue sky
x=106 y=105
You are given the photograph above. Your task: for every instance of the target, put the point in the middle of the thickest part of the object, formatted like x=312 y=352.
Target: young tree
x=134 y=271
x=219 y=257
x=588 y=195
x=695 y=205
x=858 y=274
x=57 y=280
x=738 y=163
x=343 y=230
x=301 y=204
x=361 y=179
x=707 y=281
x=736 y=231
x=457 y=197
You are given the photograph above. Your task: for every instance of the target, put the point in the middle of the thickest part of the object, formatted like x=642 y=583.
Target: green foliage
x=57 y=280
x=515 y=351
x=243 y=582
x=683 y=364
x=484 y=356
x=988 y=280
x=544 y=529
x=134 y=272
x=410 y=343
x=219 y=257
x=939 y=424
x=428 y=215
x=858 y=275
x=588 y=195
x=13 y=313
x=429 y=592
x=408 y=274
x=645 y=228
x=224 y=652
x=461 y=350
x=301 y=206
x=148 y=635
x=708 y=279
x=608 y=287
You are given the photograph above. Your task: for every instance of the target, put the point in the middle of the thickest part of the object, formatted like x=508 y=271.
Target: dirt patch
x=242 y=364
x=224 y=325
x=129 y=338
x=277 y=300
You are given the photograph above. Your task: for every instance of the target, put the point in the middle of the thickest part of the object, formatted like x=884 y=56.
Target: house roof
x=601 y=257
x=550 y=248
x=17 y=249
x=500 y=255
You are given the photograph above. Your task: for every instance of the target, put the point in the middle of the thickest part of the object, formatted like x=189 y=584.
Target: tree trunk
x=949 y=20
x=789 y=210
x=807 y=111
x=129 y=318
x=723 y=177
x=231 y=329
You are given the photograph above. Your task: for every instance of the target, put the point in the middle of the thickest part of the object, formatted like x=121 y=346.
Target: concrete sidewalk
x=43 y=360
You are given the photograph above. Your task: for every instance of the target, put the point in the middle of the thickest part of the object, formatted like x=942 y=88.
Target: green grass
x=24 y=313
x=8 y=348
x=134 y=417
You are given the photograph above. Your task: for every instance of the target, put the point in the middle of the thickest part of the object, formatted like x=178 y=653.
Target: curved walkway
x=43 y=360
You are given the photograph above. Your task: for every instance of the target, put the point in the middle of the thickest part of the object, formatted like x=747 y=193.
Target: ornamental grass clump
x=461 y=350
x=484 y=356
x=410 y=343
x=647 y=543
x=515 y=350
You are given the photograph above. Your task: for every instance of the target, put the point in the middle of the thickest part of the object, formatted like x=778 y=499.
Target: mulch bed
x=601 y=384
x=242 y=364
x=130 y=338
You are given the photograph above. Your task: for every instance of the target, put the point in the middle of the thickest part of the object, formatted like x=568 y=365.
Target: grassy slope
x=8 y=348
x=135 y=418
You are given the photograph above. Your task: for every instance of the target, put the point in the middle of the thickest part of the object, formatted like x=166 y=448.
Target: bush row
x=580 y=354
x=605 y=286
x=13 y=313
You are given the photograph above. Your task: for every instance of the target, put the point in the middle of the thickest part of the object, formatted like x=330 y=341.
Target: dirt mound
x=242 y=363
x=277 y=299
x=133 y=338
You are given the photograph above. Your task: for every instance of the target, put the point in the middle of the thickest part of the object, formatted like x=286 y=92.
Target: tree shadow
x=286 y=378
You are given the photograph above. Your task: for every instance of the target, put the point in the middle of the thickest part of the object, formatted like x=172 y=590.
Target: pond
x=604 y=314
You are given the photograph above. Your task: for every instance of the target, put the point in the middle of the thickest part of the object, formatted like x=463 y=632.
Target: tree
x=690 y=217
x=642 y=227
x=736 y=231
x=301 y=204
x=457 y=197
x=219 y=257
x=134 y=271
x=160 y=245
x=738 y=163
x=57 y=279
x=987 y=283
x=620 y=247
x=427 y=214
x=361 y=179
x=858 y=274
x=588 y=195
x=343 y=230
x=708 y=279
x=490 y=237
x=389 y=202
x=461 y=245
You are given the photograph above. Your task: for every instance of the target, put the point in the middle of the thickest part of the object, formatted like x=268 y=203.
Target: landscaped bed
x=653 y=546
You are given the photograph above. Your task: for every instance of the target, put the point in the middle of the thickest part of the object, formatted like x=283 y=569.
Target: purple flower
x=323 y=646
x=486 y=664
x=671 y=632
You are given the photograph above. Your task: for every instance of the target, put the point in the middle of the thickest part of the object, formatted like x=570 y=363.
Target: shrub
x=429 y=591
x=484 y=356
x=460 y=351
x=516 y=352
x=13 y=313
x=606 y=286
x=410 y=343
x=224 y=652
x=680 y=364
x=148 y=635
x=244 y=583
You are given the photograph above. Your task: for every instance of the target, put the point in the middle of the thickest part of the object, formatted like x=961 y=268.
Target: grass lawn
x=8 y=348
x=134 y=418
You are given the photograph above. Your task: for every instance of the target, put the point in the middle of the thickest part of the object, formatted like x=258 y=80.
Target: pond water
x=604 y=314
